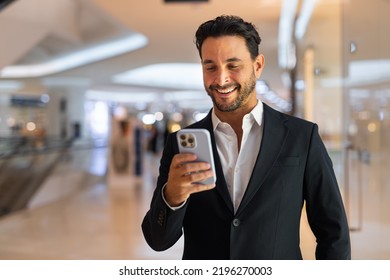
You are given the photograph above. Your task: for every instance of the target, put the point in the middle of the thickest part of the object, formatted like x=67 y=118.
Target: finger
x=194 y=167
x=196 y=188
x=180 y=159
x=193 y=178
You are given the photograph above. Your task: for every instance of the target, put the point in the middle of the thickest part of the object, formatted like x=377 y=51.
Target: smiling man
x=267 y=164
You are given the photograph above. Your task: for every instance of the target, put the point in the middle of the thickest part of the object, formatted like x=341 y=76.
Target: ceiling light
x=286 y=49
x=159 y=116
x=10 y=85
x=120 y=96
x=304 y=18
x=362 y=73
x=164 y=75
x=149 y=119
x=88 y=55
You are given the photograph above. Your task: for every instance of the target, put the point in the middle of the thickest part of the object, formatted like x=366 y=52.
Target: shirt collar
x=256 y=113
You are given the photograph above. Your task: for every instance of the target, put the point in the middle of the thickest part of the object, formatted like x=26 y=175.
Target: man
x=267 y=164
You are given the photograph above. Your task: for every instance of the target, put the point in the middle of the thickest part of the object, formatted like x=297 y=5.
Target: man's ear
x=259 y=65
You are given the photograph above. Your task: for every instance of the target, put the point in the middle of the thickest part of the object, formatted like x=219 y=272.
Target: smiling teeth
x=226 y=90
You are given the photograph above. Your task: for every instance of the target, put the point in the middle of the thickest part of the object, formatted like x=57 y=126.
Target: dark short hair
x=227 y=25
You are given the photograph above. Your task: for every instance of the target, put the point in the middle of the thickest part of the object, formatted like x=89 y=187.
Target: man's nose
x=222 y=77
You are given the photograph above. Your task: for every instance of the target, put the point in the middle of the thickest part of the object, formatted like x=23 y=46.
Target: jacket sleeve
x=162 y=226
x=324 y=205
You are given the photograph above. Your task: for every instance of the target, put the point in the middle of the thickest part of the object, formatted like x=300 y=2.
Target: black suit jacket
x=292 y=167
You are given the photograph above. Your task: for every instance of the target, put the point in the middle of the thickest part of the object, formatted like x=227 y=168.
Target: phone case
x=197 y=141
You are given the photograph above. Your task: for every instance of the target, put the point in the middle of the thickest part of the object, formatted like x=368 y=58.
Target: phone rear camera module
x=191 y=140
x=187 y=140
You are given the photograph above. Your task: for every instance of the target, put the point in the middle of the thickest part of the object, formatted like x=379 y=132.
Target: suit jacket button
x=236 y=222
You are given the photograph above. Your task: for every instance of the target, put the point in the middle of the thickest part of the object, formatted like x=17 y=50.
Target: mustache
x=213 y=87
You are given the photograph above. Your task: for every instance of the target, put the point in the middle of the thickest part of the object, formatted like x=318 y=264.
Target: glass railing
x=26 y=163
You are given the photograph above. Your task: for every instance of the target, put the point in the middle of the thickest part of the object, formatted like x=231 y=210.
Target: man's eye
x=233 y=66
x=210 y=69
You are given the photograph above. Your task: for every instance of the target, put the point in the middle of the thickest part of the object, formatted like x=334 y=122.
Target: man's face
x=229 y=73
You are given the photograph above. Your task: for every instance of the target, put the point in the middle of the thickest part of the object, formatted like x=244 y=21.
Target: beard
x=244 y=92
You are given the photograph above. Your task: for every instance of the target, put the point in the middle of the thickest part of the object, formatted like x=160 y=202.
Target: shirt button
x=236 y=222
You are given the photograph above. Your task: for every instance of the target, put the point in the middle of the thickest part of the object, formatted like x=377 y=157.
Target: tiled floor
x=101 y=220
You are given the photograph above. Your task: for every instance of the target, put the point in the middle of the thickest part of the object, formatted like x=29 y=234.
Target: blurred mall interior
x=90 y=88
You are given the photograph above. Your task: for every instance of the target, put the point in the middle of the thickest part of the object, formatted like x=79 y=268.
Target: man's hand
x=184 y=173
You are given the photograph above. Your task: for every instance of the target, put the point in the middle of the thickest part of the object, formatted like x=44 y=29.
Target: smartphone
x=197 y=141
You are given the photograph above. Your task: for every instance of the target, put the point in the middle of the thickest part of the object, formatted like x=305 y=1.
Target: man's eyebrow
x=208 y=61
x=233 y=59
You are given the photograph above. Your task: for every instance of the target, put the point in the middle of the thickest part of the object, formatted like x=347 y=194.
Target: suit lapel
x=274 y=137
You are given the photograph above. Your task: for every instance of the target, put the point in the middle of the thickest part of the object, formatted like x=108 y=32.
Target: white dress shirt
x=237 y=164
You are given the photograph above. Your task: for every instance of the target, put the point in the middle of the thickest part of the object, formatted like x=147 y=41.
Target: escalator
x=24 y=166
